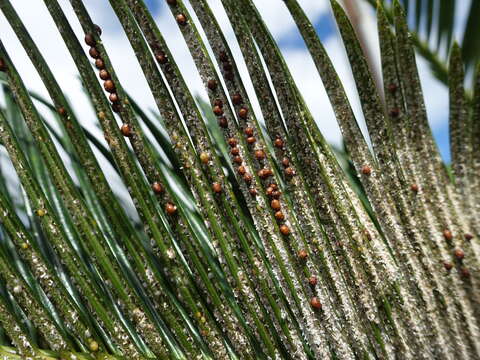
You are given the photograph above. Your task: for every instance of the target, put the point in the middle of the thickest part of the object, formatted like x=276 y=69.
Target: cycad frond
x=245 y=238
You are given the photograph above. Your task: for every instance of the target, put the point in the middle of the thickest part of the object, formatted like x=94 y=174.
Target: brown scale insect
x=99 y=64
x=302 y=254
x=237 y=160
x=459 y=254
x=447 y=234
x=229 y=76
x=253 y=191
x=113 y=97
x=273 y=186
x=227 y=66
x=465 y=273
x=414 y=188
x=170 y=208
x=237 y=99
x=243 y=113
x=251 y=140
x=275 y=205
x=126 y=130
x=285 y=162
x=260 y=154
x=212 y=84
x=218 y=102
x=241 y=170
x=247 y=178
x=104 y=75
x=289 y=171
x=235 y=151
x=468 y=236
x=264 y=173
x=232 y=142
x=248 y=131
x=278 y=143
x=98 y=29
x=366 y=170
x=279 y=216
x=315 y=303
x=90 y=40
x=161 y=57
x=276 y=194
x=157 y=188
x=284 y=229
x=3 y=65
x=62 y=111
x=448 y=265
x=223 y=56
x=217 y=110
x=94 y=53
x=172 y=2
x=269 y=191
x=181 y=19
x=222 y=122
x=109 y=86
x=217 y=188
x=312 y=280
x=394 y=112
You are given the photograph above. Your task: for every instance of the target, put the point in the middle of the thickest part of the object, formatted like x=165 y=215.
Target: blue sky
x=44 y=32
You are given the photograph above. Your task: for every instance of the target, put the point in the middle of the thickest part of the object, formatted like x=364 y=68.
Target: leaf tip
x=381 y=16
x=455 y=46
x=335 y=6
x=455 y=51
x=455 y=54
x=339 y=13
x=397 y=7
